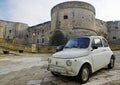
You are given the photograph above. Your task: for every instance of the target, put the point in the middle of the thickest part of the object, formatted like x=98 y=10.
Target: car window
x=82 y=42
x=105 y=43
x=97 y=42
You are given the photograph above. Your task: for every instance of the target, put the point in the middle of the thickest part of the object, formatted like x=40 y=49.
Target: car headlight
x=49 y=60
x=68 y=63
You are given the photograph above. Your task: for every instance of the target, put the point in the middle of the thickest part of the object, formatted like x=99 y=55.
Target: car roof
x=91 y=36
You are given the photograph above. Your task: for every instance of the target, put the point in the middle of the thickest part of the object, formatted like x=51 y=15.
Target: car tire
x=54 y=74
x=84 y=74
x=112 y=62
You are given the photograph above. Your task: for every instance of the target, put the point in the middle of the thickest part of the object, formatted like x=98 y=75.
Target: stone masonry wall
x=39 y=34
x=73 y=15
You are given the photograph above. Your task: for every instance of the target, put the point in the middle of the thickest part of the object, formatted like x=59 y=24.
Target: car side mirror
x=60 y=48
x=94 y=47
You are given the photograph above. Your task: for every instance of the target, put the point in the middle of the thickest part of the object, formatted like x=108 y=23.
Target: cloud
x=106 y=10
x=31 y=12
x=110 y=11
x=28 y=11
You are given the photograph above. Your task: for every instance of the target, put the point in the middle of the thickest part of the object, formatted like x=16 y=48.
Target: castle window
x=70 y=33
x=65 y=17
x=38 y=32
x=27 y=36
x=10 y=31
x=114 y=37
x=116 y=27
x=42 y=31
x=43 y=40
x=33 y=34
x=82 y=17
x=37 y=40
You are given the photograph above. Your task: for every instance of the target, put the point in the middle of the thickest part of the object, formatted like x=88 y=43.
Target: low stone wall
x=115 y=46
x=33 y=48
x=16 y=47
x=47 y=49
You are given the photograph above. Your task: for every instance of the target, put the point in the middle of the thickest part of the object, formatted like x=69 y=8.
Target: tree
x=57 y=38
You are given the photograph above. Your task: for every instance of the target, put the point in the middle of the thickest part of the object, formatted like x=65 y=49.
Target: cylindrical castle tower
x=73 y=17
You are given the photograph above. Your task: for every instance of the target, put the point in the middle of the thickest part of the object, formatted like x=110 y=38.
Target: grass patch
x=115 y=47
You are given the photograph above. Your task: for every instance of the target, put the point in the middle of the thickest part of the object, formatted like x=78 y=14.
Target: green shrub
x=58 y=38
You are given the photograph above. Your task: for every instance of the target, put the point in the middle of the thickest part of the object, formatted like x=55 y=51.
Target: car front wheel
x=112 y=62
x=84 y=74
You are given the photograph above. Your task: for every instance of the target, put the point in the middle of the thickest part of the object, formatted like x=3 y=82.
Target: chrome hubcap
x=112 y=62
x=85 y=74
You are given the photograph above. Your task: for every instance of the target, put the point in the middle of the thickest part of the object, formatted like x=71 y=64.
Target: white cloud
x=31 y=11
x=38 y=11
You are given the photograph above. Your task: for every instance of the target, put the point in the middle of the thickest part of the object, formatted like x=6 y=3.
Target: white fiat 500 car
x=82 y=56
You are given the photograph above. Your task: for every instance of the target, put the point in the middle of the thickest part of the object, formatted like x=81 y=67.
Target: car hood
x=71 y=53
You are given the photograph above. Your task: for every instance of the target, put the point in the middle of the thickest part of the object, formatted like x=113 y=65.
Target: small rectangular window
x=37 y=40
x=42 y=40
x=27 y=36
x=65 y=17
x=114 y=37
x=10 y=31
x=116 y=27
x=42 y=31
x=38 y=32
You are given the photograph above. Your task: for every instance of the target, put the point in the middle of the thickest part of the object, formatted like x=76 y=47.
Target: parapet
x=73 y=4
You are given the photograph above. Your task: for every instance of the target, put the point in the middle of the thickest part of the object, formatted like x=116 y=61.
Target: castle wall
x=21 y=34
x=101 y=28
x=73 y=15
x=13 y=31
x=39 y=34
x=114 y=31
x=2 y=27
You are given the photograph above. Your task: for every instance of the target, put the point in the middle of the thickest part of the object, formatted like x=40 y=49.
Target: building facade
x=113 y=31
x=39 y=34
x=13 y=31
x=73 y=18
x=101 y=28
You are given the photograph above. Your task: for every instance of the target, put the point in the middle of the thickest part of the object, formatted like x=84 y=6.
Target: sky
x=34 y=12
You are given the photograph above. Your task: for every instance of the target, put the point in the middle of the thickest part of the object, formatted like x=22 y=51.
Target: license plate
x=58 y=69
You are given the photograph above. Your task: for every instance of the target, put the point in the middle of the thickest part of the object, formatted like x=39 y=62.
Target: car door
x=97 y=54
x=107 y=52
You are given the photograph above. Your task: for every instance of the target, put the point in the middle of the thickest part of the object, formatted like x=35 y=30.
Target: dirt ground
x=31 y=69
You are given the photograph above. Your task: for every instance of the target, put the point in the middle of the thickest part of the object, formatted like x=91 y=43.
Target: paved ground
x=31 y=69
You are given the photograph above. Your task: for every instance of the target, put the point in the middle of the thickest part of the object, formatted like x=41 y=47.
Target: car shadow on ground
x=64 y=80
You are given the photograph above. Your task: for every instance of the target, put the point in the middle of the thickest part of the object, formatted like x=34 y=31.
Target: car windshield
x=78 y=43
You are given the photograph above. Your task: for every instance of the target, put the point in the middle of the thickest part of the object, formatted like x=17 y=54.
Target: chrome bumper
x=60 y=70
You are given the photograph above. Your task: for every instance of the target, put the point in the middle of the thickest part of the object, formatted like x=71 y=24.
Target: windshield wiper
x=67 y=47
x=72 y=47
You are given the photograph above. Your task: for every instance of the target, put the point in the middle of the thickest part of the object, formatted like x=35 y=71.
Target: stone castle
x=73 y=19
